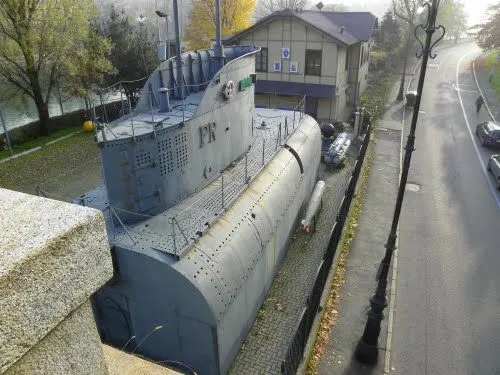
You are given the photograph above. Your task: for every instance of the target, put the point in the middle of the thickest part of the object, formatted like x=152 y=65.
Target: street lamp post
x=161 y=14
x=366 y=350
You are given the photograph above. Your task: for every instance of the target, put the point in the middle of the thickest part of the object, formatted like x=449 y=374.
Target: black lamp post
x=366 y=350
x=161 y=14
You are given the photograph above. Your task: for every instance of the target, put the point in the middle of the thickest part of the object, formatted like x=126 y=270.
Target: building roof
x=294 y=88
x=346 y=27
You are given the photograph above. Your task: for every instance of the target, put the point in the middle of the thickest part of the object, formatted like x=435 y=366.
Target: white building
x=323 y=56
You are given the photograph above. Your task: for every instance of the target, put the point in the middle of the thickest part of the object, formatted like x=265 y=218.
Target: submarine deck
x=137 y=123
x=174 y=230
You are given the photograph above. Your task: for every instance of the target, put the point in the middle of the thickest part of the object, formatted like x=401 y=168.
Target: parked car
x=489 y=133
x=494 y=168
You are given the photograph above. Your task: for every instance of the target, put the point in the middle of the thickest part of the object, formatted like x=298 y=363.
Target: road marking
x=463 y=90
x=493 y=191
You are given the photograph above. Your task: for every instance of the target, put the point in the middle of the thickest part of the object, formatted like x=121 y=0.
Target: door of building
x=312 y=106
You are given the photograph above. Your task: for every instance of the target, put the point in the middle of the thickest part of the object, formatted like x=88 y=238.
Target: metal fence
x=295 y=350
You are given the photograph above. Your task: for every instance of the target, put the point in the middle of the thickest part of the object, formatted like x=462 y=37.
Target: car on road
x=494 y=168
x=489 y=133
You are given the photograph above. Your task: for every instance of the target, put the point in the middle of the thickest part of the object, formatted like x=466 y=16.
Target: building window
x=346 y=59
x=261 y=60
x=313 y=62
x=362 y=61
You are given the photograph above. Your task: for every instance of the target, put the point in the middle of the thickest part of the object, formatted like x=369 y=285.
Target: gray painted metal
x=337 y=152
x=198 y=211
x=153 y=159
x=218 y=52
x=207 y=300
x=313 y=206
x=180 y=81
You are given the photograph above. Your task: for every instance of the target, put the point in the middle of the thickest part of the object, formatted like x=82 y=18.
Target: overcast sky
x=473 y=8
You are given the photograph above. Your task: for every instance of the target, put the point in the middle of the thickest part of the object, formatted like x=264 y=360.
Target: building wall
x=358 y=70
x=296 y=35
x=363 y=69
x=349 y=82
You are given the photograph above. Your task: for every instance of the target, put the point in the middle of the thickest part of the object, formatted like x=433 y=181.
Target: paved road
x=447 y=312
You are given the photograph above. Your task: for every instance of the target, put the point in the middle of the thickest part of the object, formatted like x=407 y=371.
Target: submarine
x=202 y=193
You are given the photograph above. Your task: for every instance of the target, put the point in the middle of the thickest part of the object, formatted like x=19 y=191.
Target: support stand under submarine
x=202 y=194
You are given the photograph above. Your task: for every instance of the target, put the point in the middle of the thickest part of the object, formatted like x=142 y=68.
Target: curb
x=15 y=156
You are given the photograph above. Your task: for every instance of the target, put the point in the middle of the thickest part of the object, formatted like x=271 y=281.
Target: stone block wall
x=53 y=257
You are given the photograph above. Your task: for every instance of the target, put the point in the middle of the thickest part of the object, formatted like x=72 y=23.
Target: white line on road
x=493 y=192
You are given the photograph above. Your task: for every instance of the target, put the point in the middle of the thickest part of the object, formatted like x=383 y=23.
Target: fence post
x=263 y=148
x=6 y=133
x=222 y=187
x=246 y=168
x=173 y=236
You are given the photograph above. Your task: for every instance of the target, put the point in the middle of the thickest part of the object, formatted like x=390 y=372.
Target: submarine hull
x=197 y=310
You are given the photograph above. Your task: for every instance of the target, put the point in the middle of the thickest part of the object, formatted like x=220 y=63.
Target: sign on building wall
x=277 y=66
x=294 y=66
x=285 y=53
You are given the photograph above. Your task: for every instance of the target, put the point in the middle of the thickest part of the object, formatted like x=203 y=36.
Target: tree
x=406 y=10
x=388 y=36
x=133 y=54
x=91 y=67
x=452 y=16
x=266 y=7
x=489 y=32
x=235 y=16
x=41 y=41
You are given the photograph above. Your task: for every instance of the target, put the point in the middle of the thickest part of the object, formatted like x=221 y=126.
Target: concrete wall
x=53 y=256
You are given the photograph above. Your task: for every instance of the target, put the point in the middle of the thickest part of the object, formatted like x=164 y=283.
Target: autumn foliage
x=236 y=15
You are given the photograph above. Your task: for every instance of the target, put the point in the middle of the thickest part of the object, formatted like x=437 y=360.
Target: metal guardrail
x=296 y=348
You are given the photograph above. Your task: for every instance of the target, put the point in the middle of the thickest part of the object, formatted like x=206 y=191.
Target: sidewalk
x=367 y=250
x=272 y=332
x=490 y=97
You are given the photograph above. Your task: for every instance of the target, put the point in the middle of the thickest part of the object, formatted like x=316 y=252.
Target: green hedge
x=376 y=94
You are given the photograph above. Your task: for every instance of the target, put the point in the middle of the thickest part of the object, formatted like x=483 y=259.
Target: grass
x=489 y=62
x=29 y=170
x=330 y=312
x=41 y=141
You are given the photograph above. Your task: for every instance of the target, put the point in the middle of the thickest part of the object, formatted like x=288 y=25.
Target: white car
x=494 y=168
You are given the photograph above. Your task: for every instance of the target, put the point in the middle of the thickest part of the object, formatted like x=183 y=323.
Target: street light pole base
x=366 y=353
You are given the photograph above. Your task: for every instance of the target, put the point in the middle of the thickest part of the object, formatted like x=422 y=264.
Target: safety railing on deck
x=185 y=228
